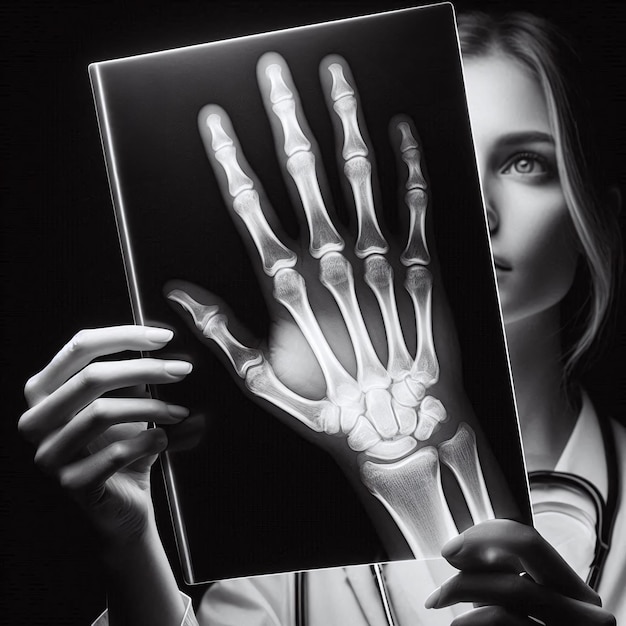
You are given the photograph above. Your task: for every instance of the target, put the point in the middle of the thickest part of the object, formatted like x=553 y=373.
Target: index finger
x=87 y=345
x=504 y=545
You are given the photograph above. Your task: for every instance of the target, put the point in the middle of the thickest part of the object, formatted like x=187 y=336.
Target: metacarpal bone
x=323 y=235
x=363 y=435
x=319 y=415
x=380 y=412
x=274 y=255
x=431 y=414
x=379 y=277
x=370 y=240
x=290 y=291
x=213 y=325
x=411 y=491
x=419 y=284
x=460 y=454
x=336 y=276
x=416 y=250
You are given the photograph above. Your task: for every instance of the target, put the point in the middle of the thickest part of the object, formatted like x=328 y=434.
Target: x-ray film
x=303 y=209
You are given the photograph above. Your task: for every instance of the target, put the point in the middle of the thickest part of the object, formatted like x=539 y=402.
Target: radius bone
x=379 y=277
x=336 y=276
x=411 y=491
x=290 y=291
x=460 y=454
x=212 y=325
x=319 y=415
x=419 y=284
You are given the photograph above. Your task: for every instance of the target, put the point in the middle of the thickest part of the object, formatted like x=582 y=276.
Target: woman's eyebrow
x=525 y=137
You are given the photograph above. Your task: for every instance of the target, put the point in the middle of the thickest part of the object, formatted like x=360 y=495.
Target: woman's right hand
x=99 y=447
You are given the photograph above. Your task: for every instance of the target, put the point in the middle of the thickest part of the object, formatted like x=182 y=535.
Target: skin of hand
x=511 y=573
x=99 y=447
x=286 y=348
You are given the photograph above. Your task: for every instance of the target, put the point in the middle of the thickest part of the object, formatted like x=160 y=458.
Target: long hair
x=540 y=48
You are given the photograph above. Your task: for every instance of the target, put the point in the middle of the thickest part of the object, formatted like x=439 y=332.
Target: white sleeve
x=189 y=619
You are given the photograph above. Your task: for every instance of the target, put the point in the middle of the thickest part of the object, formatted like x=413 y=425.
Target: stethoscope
x=606 y=513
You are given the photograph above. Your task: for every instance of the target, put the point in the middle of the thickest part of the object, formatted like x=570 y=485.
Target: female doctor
x=555 y=247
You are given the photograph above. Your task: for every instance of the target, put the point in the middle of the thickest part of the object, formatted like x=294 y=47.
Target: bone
x=336 y=276
x=419 y=284
x=460 y=454
x=416 y=251
x=370 y=239
x=318 y=415
x=379 y=277
x=295 y=140
x=392 y=450
x=363 y=435
x=290 y=291
x=226 y=155
x=213 y=325
x=345 y=106
x=408 y=392
x=411 y=491
x=349 y=415
x=380 y=412
x=278 y=88
x=406 y=417
x=409 y=150
x=323 y=236
x=431 y=415
x=274 y=255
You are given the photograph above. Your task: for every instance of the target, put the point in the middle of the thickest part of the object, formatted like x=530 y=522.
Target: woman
x=551 y=237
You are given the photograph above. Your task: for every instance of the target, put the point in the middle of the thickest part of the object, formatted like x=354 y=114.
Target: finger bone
x=407 y=141
x=411 y=491
x=278 y=89
x=324 y=236
x=290 y=291
x=363 y=435
x=213 y=325
x=340 y=87
x=295 y=140
x=419 y=284
x=380 y=412
x=319 y=415
x=415 y=179
x=416 y=251
x=274 y=255
x=370 y=240
x=431 y=414
x=392 y=450
x=379 y=277
x=460 y=454
x=336 y=276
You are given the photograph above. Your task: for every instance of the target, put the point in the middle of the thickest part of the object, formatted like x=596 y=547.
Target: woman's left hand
x=513 y=575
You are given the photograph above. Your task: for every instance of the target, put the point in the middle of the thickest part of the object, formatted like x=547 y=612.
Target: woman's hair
x=540 y=48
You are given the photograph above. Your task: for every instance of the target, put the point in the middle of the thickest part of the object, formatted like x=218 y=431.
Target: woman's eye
x=528 y=165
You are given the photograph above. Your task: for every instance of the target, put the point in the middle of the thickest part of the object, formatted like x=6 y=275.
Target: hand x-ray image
x=302 y=208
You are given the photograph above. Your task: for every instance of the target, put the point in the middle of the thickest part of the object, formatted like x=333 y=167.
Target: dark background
x=61 y=268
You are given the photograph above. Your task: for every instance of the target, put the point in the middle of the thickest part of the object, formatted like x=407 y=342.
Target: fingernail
x=433 y=598
x=178 y=368
x=159 y=335
x=453 y=546
x=177 y=411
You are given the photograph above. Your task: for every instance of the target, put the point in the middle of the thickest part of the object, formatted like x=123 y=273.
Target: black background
x=61 y=269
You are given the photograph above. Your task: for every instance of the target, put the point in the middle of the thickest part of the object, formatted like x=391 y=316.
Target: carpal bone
x=363 y=435
x=290 y=291
x=319 y=415
x=336 y=276
x=411 y=491
x=460 y=454
x=406 y=416
x=349 y=414
x=379 y=277
x=419 y=284
x=213 y=325
x=323 y=236
x=407 y=391
x=392 y=450
x=431 y=414
x=416 y=250
x=370 y=239
x=380 y=412
x=274 y=255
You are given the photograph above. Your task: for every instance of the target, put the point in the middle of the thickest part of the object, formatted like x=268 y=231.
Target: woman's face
x=532 y=236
